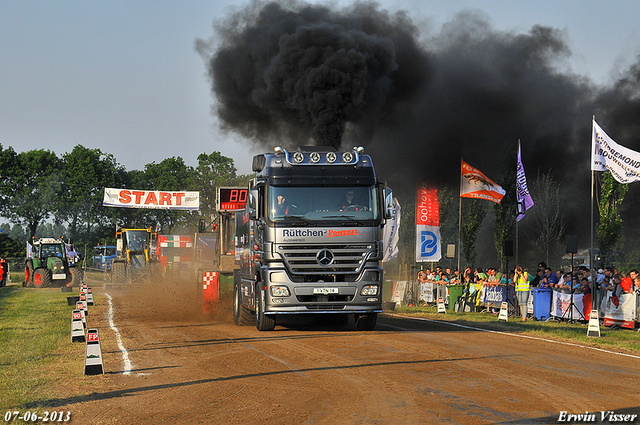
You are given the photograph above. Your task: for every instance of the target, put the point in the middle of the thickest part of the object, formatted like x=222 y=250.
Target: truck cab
x=310 y=239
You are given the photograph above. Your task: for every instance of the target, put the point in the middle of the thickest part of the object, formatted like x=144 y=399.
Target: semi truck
x=309 y=241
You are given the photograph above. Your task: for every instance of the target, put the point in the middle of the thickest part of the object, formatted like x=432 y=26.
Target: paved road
x=186 y=369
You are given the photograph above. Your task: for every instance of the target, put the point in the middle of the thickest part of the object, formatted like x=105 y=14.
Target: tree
x=170 y=174
x=547 y=221
x=86 y=172
x=610 y=225
x=213 y=170
x=30 y=187
x=505 y=211
x=472 y=217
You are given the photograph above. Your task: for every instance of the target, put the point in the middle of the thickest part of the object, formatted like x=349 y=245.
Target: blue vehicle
x=104 y=256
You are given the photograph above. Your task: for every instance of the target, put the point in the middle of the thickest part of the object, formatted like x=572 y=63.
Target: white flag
x=606 y=154
x=391 y=233
x=29 y=250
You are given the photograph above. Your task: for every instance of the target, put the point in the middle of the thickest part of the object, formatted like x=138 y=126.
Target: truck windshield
x=137 y=240
x=311 y=204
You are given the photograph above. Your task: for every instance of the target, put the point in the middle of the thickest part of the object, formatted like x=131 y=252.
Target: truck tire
x=76 y=276
x=28 y=274
x=366 y=322
x=241 y=316
x=263 y=321
x=118 y=272
x=41 y=278
x=155 y=271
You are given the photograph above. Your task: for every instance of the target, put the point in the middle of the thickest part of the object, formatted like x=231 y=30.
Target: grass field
x=617 y=340
x=37 y=357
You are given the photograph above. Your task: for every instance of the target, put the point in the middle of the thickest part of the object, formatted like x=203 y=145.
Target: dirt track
x=187 y=368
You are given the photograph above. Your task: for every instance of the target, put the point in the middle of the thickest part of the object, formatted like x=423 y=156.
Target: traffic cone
x=80 y=306
x=594 y=324
x=89 y=297
x=93 y=357
x=504 y=312
x=77 y=329
x=441 y=308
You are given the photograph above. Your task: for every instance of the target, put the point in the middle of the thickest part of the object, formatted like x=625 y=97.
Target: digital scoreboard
x=231 y=198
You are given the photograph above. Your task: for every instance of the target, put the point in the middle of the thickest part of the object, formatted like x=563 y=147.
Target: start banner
x=154 y=199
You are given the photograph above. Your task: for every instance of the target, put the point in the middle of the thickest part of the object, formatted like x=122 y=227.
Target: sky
x=124 y=76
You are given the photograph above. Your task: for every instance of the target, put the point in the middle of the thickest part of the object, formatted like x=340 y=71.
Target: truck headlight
x=369 y=290
x=280 y=291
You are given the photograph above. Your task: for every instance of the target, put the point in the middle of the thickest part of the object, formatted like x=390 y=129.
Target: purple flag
x=522 y=191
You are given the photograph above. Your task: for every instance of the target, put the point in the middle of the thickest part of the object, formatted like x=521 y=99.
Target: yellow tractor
x=135 y=257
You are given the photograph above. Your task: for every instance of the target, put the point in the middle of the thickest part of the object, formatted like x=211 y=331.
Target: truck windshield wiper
x=301 y=218
x=348 y=217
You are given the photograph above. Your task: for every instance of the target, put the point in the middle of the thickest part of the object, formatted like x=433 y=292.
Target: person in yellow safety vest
x=521 y=281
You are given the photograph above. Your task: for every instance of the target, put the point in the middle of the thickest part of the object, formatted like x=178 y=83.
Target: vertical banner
x=390 y=234
x=522 y=191
x=428 y=243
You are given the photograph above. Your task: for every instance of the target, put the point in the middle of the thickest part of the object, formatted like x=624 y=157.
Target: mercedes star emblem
x=325 y=257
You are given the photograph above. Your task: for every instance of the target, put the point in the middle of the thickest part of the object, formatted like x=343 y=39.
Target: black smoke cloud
x=299 y=74
x=290 y=73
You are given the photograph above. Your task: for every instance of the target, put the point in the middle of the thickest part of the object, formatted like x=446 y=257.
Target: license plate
x=59 y=276
x=325 y=290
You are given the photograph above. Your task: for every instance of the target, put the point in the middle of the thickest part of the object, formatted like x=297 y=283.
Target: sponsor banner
x=399 y=289
x=154 y=199
x=606 y=154
x=426 y=292
x=391 y=233
x=324 y=234
x=428 y=242
x=560 y=306
x=494 y=294
x=619 y=311
x=522 y=190
x=474 y=184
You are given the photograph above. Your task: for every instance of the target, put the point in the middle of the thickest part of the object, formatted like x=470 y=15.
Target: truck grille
x=344 y=259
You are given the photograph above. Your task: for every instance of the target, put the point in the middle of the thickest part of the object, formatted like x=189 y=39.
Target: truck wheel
x=118 y=272
x=41 y=278
x=366 y=322
x=241 y=316
x=28 y=274
x=263 y=322
x=155 y=270
x=76 y=276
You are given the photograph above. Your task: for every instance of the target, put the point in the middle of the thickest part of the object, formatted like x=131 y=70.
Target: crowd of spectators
x=519 y=281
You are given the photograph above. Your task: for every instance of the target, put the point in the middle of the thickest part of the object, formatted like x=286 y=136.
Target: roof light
x=347 y=157
x=278 y=150
x=298 y=157
x=315 y=157
x=331 y=157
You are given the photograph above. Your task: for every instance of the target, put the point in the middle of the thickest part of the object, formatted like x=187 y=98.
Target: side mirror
x=388 y=204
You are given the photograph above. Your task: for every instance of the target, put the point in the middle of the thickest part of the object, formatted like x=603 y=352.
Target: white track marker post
x=83 y=300
x=83 y=288
x=93 y=358
x=504 y=312
x=594 y=324
x=441 y=308
x=89 y=297
x=77 y=329
x=80 y=306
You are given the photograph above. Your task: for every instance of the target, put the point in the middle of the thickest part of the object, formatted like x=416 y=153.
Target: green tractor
x=50 y=264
